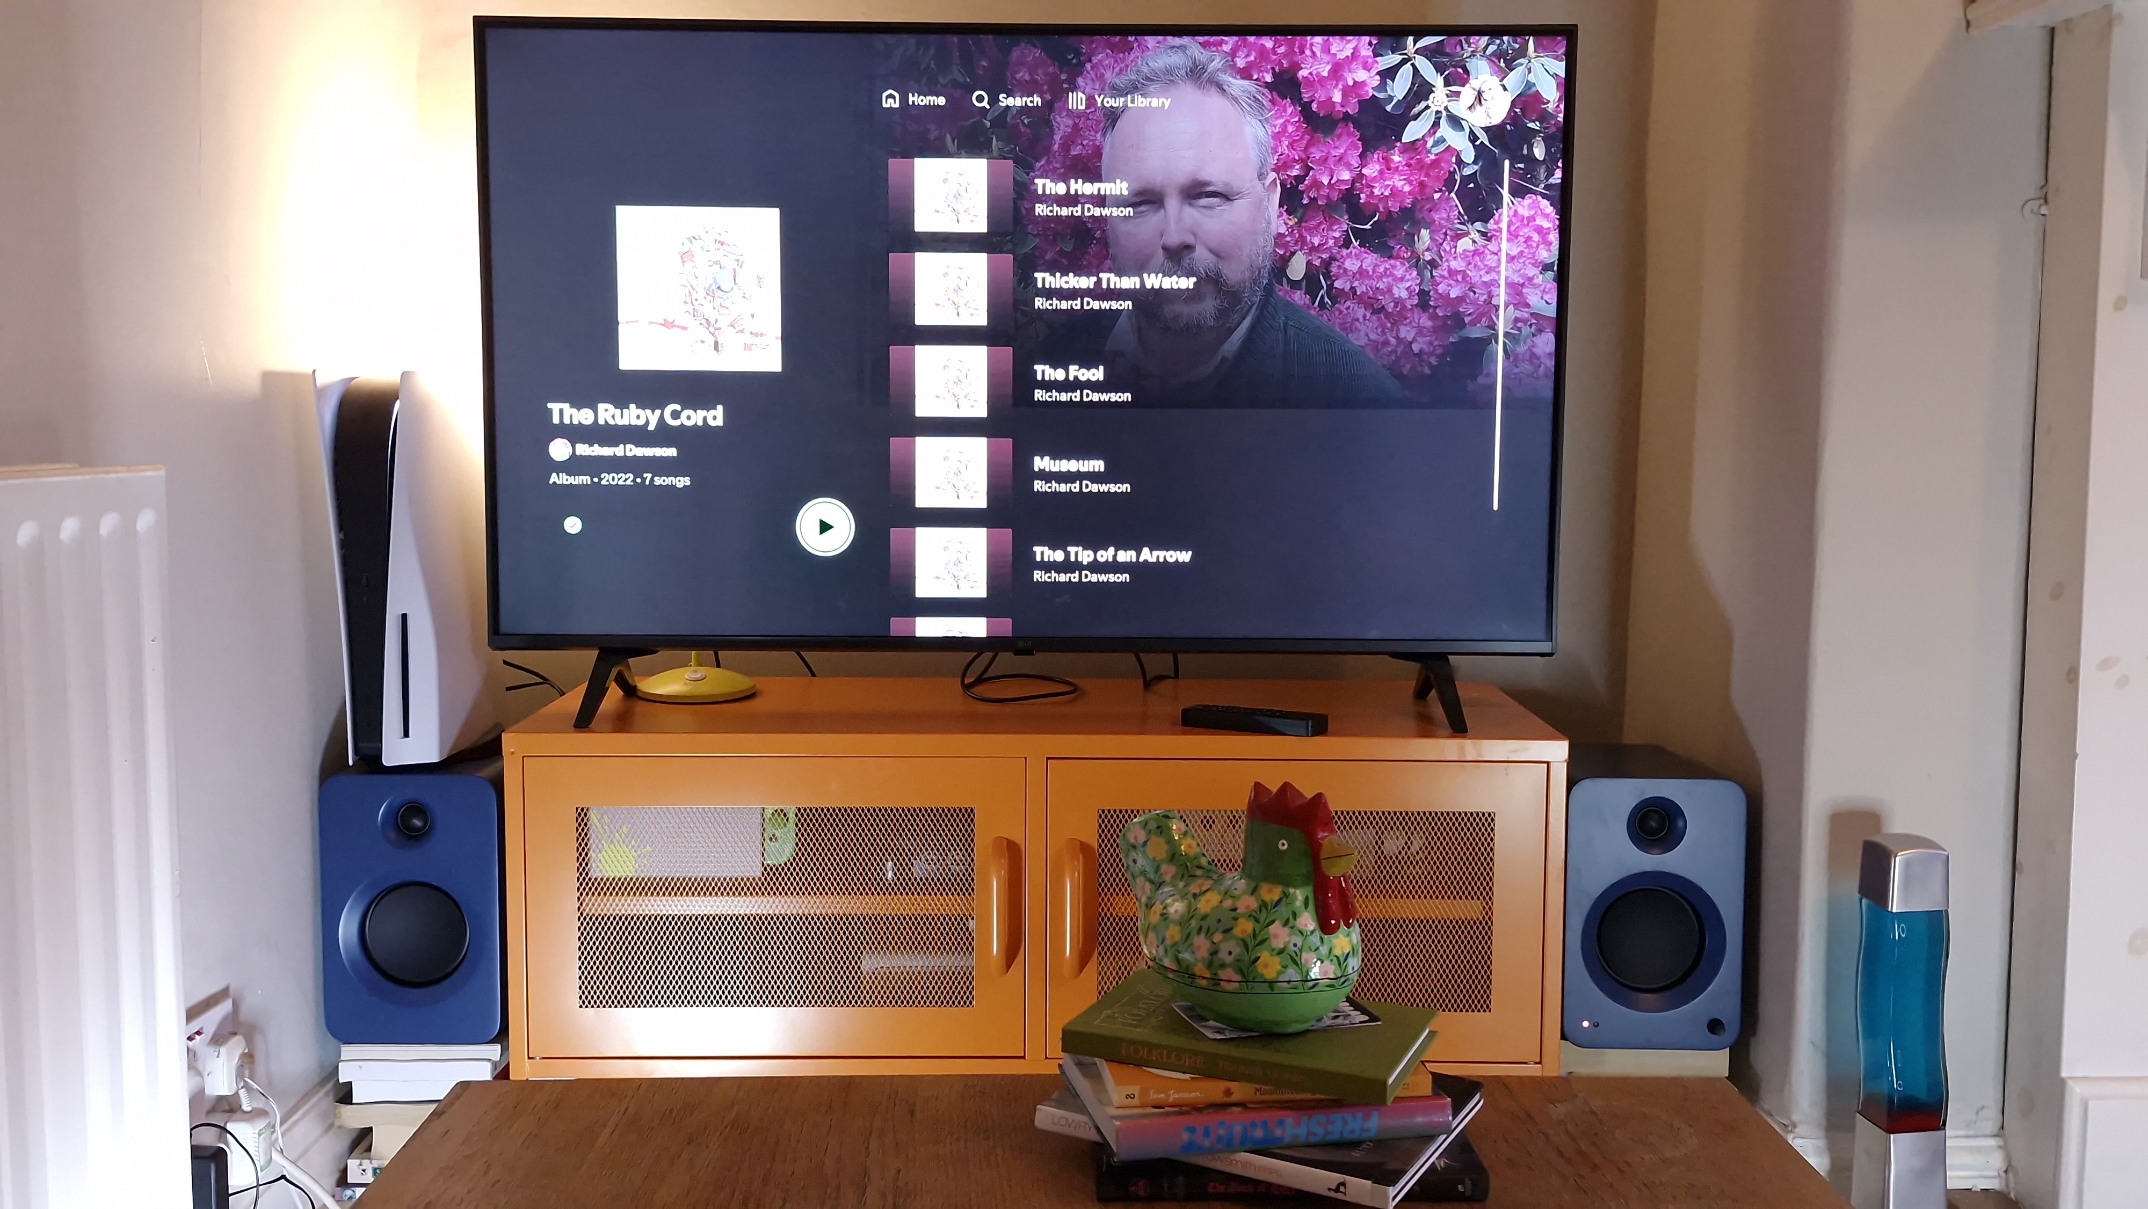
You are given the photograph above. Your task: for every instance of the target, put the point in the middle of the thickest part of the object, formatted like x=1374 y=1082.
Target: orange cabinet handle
x=1003 y=930
x=1077 y=908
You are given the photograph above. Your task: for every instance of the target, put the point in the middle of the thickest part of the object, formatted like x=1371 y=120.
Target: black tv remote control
x=1253 y=719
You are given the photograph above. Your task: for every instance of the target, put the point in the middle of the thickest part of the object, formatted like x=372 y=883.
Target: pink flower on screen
x=1442 y=216
x=1380 y=282
x=1393 y=178
x=1031 y=72
x=1335 y=74
x=1331 y=163
x=1535 y=360
x=1466 y=283
x=1077 y=143
x=1317 y=233
x=1286 y=129
x=1256 y=59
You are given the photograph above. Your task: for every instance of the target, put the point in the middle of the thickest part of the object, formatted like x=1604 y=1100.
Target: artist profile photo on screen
x=1353 y=222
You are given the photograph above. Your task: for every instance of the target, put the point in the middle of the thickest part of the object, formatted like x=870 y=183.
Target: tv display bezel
x=501 y=641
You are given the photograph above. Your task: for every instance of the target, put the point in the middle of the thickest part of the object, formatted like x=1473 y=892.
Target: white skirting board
x=310 y=1135
x=1975 y=1161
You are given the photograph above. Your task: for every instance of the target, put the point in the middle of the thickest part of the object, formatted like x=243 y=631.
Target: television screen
x=1018 y=337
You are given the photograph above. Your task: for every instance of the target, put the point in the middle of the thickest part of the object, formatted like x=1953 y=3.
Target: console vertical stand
x=609 y=659
x=1435 y=673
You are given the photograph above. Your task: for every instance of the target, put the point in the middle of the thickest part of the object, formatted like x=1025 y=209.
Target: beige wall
x=1832 y=516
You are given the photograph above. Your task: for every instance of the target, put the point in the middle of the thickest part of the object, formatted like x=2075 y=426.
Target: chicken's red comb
x=1286 y=807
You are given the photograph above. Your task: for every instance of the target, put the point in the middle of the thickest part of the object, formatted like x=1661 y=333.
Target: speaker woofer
x=415 y=934
x=1650 y=939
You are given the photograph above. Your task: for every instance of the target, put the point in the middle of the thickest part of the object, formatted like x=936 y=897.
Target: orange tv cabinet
x=880 y=875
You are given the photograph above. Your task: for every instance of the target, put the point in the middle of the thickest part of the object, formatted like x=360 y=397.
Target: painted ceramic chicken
x=1273 y=947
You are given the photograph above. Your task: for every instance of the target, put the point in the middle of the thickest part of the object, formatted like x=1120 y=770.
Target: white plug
x=220 y=1061
x=250 y=1146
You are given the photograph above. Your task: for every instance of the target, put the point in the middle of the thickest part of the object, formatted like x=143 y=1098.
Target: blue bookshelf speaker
x=1655 y=902
x=411 y=907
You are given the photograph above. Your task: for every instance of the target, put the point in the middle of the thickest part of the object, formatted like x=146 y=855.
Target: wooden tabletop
x=968 y=1140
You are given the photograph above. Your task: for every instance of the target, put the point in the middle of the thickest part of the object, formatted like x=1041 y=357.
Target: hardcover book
x=1135 y=1023
x=418 y=1070
x=489 y=1052
x=1152 y=1133
x=1378 y=1173
x=1147 y=1087
x=1457 y=1176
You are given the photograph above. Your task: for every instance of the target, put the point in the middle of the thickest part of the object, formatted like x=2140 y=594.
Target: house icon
x=890 y=99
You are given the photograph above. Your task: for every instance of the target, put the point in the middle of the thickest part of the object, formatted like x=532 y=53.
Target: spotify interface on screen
x=812 y=334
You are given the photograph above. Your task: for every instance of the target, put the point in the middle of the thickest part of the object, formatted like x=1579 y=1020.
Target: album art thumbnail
x=950 y=381
x=972 y=196
x=950 y=627
x=950 y=195
x=951 y=289
x=950 y=563
x=700 y=288
x=951 y=472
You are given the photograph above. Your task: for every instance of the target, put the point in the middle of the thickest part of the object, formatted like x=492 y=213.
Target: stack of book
x=393 y=1088
x=1179 y=1107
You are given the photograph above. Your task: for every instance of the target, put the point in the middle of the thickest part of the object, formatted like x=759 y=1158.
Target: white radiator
x=93 y=1094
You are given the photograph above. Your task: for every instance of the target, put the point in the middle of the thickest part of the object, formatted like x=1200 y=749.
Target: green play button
x=825 y=527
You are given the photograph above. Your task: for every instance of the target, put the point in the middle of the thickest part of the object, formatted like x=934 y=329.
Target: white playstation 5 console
x=407 y=505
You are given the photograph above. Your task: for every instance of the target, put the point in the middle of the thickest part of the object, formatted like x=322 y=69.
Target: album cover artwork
x=952 y=381
x=952 y=563
x=951 y=627
x=700 y=288
x=950 y=195
x=952 y=289
x=952 y=472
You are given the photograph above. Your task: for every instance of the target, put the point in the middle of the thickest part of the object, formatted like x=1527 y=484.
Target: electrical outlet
x=205 y=1022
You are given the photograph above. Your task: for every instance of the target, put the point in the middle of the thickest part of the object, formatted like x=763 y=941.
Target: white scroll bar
x=1499 y=338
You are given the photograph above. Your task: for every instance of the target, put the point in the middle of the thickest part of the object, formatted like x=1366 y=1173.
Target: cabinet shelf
x=777 y=904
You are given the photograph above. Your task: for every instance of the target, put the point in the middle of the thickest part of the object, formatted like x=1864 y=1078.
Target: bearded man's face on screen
x=1202 y=208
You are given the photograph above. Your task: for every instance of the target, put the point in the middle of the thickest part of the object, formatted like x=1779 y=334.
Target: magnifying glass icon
x=980 y=100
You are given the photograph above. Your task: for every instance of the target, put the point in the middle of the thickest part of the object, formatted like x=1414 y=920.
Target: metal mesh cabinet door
x=1449 y=881
x=773 y=906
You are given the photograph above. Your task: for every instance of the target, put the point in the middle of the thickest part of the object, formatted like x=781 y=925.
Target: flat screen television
x=833 y=336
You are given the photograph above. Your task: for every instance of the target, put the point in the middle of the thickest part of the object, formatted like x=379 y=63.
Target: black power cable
x=970 y=684
x=541 y=681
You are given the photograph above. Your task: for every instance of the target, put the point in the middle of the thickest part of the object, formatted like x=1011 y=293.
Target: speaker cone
x=1649 y=939
x=415 y=934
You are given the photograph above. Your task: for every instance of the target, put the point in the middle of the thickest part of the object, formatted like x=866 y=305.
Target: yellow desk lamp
x=697 y=683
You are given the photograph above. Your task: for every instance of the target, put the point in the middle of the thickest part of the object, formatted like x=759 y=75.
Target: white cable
x=247 y=1084
x=285 y=1165
x=304 y=1182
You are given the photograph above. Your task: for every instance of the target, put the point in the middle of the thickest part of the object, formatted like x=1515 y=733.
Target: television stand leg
x=609 y=660
x=1435 y=673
